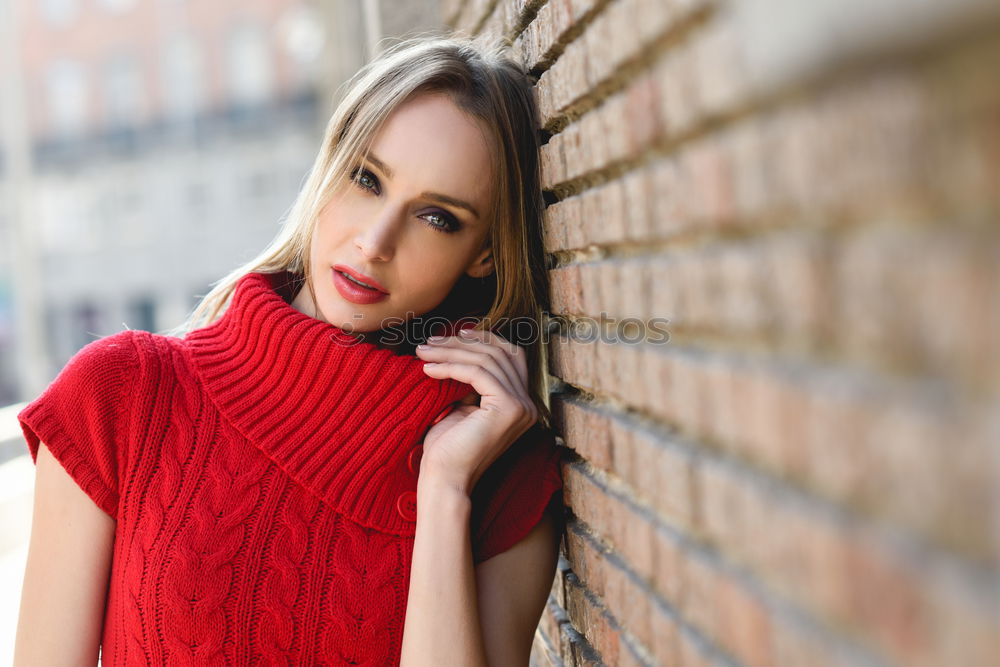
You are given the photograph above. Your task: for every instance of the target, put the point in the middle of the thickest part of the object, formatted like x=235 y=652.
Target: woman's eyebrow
x=381 y=165
x=436 y=196
x=445 y=199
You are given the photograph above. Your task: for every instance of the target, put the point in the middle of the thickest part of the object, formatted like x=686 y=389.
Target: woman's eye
x=442 y=222
x=365 y=179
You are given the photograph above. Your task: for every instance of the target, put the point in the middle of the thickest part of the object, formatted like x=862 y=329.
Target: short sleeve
x=512 y=495
x=81 y=415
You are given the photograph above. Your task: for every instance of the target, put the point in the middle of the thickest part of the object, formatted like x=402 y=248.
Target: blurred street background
x=147 y=147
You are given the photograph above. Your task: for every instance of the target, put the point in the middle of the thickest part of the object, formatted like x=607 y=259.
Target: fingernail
x=465 y=332
x=435 y=339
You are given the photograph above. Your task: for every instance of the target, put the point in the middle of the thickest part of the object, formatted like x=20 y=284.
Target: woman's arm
x=457 y=614
x=460 y=614
x=66 y=575
x=513 y=587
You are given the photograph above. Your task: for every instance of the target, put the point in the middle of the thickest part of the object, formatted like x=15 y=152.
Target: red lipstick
x=351 y=290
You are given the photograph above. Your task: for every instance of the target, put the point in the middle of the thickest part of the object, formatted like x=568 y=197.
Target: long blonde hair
x=483 y=82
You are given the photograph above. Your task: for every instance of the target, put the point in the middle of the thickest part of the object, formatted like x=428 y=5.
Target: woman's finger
x=445 y=353
x=500 y=356
x=512 y=354
x=483 y=381
x=507 y=354
x=515 y=353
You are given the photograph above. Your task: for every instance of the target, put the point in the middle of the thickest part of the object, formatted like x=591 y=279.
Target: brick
x=795 y=647
x=651 y=631
x=700 y=606
x=854 y=146
x=553 y=28
x=615 y=131
x=877 y=452
x=512 y=14
x=943 y=483
x=621 y=31
x=847 y=577
x=594 y=624
x=796 y=268
x=670 y=575
x=963 y=622
x=745 y=628
x=692 y=654
x=948 y=308
x=892 y=604
x=588 y=433
x=566 y=290
x=751 y=187
x=711 y=177
x=843 y=577
x=678 y=84
x=809 y=474
x=726 y=290
x=794 y=161
x=817 y=557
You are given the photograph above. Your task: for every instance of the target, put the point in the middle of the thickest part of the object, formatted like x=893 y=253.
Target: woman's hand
x=459 y=448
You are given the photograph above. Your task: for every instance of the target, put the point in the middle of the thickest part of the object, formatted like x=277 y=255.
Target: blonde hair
x=483 y=82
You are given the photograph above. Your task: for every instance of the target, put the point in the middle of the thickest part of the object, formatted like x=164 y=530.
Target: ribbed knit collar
x=338 y=415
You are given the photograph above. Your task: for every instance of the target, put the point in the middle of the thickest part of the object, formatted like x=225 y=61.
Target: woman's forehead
x=428 y=143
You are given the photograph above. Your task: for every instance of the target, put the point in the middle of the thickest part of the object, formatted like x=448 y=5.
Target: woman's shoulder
x=125 y=346
x=115 y=351
x=130 y=352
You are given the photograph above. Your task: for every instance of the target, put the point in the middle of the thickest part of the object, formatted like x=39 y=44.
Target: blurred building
x=168 y=138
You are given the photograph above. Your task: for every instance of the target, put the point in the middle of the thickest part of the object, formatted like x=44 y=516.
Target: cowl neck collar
x=338 y=415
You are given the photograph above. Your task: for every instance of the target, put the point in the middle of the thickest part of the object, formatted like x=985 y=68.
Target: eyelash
x=450 y=226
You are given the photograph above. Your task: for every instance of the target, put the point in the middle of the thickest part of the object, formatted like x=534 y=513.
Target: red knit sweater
x=262 y=474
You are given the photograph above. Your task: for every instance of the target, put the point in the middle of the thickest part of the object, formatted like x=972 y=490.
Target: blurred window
x=142 y=314
x=123 y=90
x=66 y=83
x=86 y=324
x=300 y=33
x=65 y=225
x=59 y=12
x=117 y=6
x=248 y=60
x=182 y=76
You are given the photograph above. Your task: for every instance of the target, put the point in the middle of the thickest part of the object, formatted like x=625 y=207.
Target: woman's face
x=413 y=220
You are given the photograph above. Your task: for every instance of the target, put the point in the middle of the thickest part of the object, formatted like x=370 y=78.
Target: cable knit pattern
x=257 y=472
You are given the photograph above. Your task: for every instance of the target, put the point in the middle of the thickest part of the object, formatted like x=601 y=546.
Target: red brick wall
x=808 y=471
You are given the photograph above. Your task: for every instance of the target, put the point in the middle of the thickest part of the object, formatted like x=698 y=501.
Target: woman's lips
x=354 y=292
x=368 y=281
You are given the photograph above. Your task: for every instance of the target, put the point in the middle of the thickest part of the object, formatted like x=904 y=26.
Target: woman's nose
x=377 y=240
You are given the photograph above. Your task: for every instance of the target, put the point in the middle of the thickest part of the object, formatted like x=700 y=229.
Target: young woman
x=288 y=478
